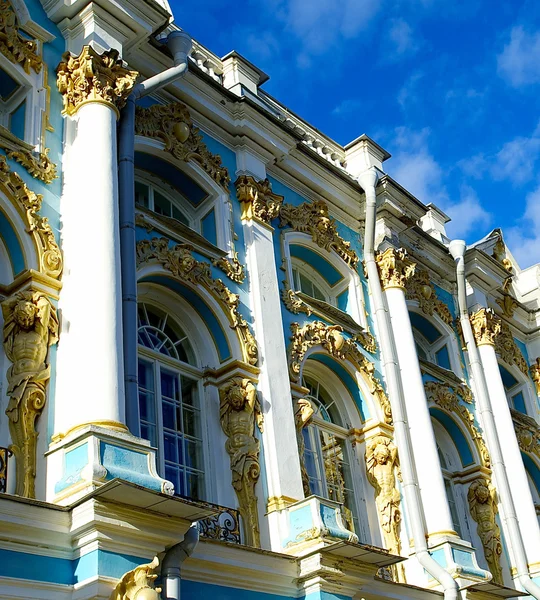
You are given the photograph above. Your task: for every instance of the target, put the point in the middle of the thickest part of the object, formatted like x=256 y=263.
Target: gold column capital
x=257 y=199
x=93 y=77
x=535 y=374
x=395 y=268
x=486 y=326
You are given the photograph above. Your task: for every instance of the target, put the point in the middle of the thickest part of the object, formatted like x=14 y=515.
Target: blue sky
x=449 y=88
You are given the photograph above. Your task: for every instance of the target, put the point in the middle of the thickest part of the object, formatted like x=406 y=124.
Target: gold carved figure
x=483 y=506
x=486 y=326
x=30 y=327
x=240 y=411
x=138 y=584
x=382 y=462
x=302 y=418
x=395 y=268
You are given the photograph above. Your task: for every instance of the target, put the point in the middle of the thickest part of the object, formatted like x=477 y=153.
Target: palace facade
x=239 y=360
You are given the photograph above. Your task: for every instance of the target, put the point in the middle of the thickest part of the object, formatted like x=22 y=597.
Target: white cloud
x=519 y=62
x=467 y=215
x=402 y=39
x=408 y=92
x=524 y=239
x=347 y=107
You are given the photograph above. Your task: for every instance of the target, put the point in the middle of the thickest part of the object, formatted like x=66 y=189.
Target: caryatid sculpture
x=240 y=411
x=483 y=506
x=30 y=327
x=381 y=463
x=302 y=418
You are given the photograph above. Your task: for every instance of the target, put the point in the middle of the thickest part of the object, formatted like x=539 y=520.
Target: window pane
x=17 y=119
x=189 y=392
x=305 y=285
x=169 y=385
x=194 y=484
x=442 y=358
x=519 y=403
x=161 y=205
x=179 y=215
x=170 y=448
x=169 y=414
x=452 y=505
x=191 y=422
x=142 y=194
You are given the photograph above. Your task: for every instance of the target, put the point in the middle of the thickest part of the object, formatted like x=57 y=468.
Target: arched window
x=450 y=494
x=161 y=201
x=431 y=344
x=169 y=400
x=327 y=453
x=516 y=391
x=309 y=282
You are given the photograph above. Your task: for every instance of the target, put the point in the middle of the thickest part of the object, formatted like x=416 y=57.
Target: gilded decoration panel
x=37 y=164
x=527 y=433
x=15 y=46
x=395 y=268
x=172 y=125
x=257 y=199
x=420 y=288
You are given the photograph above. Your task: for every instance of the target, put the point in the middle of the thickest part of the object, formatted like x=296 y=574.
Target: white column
x=89 y=380
x=515 y=469
x=436 y=510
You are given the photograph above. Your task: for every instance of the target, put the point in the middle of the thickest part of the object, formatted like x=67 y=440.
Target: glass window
x=12 y=104
x=518 y=402
x=149 y=197
x=169 y=406
x=450 y=495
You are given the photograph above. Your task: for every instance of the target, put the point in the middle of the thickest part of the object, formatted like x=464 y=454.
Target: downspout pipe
x=457 y=250
x=172 y=563
x=411 y=489
x=179 y=43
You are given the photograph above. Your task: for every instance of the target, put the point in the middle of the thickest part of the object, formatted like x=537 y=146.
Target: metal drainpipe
x=172 y=563
x=457 y=250
x=179 y=43
x=411 y=490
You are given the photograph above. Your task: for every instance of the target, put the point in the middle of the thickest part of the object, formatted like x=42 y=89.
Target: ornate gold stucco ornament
x=93 y=77
x=535 y=374
x=39 y=166
x=331 y=338
x=381 y=465
x=16 y=47
x=303 y=411
x=257 y=199
x=312 y=218
x=138 y=583
x=486 y=326
x=51 y=262
x=30 y=327
x=292 y=302
x=239 y=413
x=447 y=397
x=395 y=268
x=508 y=305
x=172 y=124
x=420 y=288
x=232 y=267
x=508 y=350
x=179 y=261
x=527 y=433
x=483 y=507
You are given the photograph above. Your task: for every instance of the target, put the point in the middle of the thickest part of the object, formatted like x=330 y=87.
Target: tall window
x=450 y=493
x=326 y=453
x=515 y=390
x=163 y=204
x=431 y=345
x=169 y=402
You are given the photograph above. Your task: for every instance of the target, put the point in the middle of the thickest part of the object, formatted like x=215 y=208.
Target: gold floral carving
x=93 y=77
x=172 y=124
x=331 y=338
x=240 y=412
x=447 y=397
x=420 y=288
x=292 y=302
x=486 y=326
x=39 y=166
x=483 y=507
x=508 y=305
x=507 y=349
x=395 y=268
x=233 y=268
x=51 y=262
x=312 y=218
x=499 y=254
x=535 y=374
x=527 y=433
x=140 y=579
x=257 y=199
x=303 y=412
x=16 y=47
x=381 y=465
x=180 y=262
x=30 y=327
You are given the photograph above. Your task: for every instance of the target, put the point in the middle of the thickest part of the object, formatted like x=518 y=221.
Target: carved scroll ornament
x=93 y=77
x=39 y=166
x=240 y=412
x=232 y=267
x=527 y=433
x=312 y=218
x=508 y=350
x=16 y=47
x=30 y=327
x=420 y=288
x=331 y=338
x=181 y=263
x=138 y=583
x=483 y=507
x=257 y=199
x=395 y=268
x=172 y=124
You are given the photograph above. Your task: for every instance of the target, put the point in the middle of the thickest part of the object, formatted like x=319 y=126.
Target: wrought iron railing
x=4 y=455
x=223 y=526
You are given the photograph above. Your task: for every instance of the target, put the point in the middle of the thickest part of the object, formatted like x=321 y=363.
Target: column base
x=91 y=455
x=314 y=523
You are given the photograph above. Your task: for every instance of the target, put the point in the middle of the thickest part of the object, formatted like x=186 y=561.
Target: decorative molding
x=527 y=433
x=486 y=326
x=138 y=583
x=30 y=328
x=37 y=164
x=312 y=218
x=395 y=268
x=508 y=305
x=535 y=374
x=381 y=464
x=239 y=412
x=172 y=124
x=257 y=199
x=16 y=47
x=223 y=526
x=50 y=256
x=420 y=288
x=180 y=262
x=93 y=77
x=232 y=267
x=447 y=397
x=483 y=508
x=508 y=350
x=292 y=301
x=5 y=453
x=331 y=338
